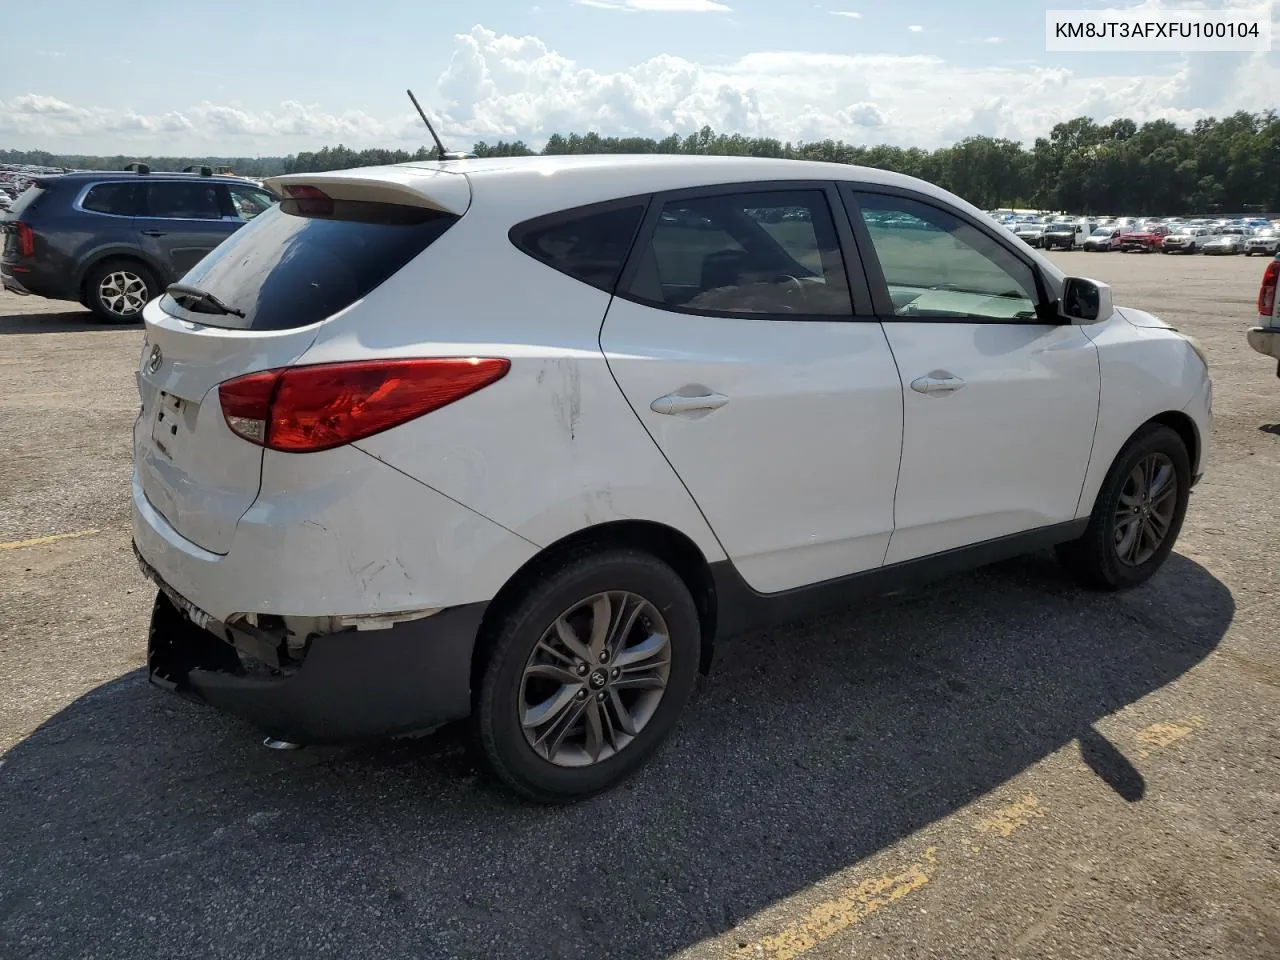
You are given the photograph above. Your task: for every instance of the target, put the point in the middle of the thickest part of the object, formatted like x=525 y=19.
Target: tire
x=135 y=285
x=1097 y=559
x=508 y=696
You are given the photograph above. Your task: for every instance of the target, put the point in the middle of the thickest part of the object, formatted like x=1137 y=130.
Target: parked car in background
x=1265 y=337
x=114 y=241
x=331 y=562
x=1265 y=240
x=1065 y=234
x=1186 y=240
x=1030 y=233
x=1225 y=244
x=1147 y=240
x=1103 y=239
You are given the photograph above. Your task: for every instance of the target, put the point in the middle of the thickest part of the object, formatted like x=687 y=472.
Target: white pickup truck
x=1265 y=338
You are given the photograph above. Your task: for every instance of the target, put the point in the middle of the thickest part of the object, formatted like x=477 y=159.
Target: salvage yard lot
x=997 y=765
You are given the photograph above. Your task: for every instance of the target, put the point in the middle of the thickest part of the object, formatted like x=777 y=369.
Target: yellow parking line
x=1157 y=736
x=832 y=916
x=839 y=913
x=40 y=541
x=1006 y=820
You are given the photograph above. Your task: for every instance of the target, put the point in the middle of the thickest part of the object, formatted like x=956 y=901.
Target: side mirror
x=1086 y=301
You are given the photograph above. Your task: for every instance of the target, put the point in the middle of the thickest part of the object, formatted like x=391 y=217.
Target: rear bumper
x=337 y=533
x=11 y=283
x=350 y=686
x=1265 y=340
x=36 y=281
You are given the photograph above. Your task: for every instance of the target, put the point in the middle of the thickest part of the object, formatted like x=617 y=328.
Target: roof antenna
x=441 y=155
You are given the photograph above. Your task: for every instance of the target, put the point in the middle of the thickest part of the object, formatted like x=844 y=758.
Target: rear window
x=589 y=244
x=120 y=199
x=296 y=264
x=25 y=200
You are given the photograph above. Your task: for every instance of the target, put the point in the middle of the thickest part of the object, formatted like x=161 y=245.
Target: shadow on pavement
x=69 y=321
x=138 y=825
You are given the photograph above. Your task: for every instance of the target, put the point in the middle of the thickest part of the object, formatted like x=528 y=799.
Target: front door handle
x=937 y=384
x=153 y=233
x=676 y=403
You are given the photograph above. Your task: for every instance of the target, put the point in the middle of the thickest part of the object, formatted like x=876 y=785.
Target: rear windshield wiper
x=181 y=290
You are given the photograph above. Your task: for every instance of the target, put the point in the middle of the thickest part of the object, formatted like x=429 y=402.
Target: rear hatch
x=257 y=302
x=26 y=200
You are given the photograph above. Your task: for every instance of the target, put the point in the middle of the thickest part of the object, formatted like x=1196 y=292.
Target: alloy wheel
x=123 y=292
x=1144 y=514
x=595 y=679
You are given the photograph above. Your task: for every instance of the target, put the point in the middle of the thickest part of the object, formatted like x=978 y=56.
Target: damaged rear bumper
x=352 y=685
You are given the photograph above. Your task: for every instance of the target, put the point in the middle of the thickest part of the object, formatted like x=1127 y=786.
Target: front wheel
x=1137 y=516
x=586 y=675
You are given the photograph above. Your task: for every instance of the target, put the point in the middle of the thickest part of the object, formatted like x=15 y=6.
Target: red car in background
x=1144 y=241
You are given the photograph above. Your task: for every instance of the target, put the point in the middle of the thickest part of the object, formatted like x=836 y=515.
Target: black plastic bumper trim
x=352 y=685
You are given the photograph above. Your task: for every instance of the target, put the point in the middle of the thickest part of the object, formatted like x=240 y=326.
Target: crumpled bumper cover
x=353 y=685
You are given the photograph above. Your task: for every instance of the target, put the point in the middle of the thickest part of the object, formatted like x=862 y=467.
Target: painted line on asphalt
x=834 y=915
x=41 y=541
x=1157 y=736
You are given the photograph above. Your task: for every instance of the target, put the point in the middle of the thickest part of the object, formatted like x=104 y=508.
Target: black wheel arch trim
x=97 y=257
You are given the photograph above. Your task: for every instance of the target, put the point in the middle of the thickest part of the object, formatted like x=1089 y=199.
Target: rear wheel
x=1138 y=514
x=117 y=290
x=587 y=674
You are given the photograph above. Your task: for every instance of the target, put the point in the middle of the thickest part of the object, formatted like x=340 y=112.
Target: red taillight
x=26 y=240
x=1267 y=292
x=312 y=408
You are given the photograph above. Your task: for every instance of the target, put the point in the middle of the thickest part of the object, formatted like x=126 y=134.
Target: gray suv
x=113 y=241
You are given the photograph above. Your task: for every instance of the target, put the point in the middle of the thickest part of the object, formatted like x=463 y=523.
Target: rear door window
x=302 y=261
x=179 y=200
x=589 y=244
x=26 y=200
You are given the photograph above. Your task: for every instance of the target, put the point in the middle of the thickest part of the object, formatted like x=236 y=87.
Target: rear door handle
x=937 y=384
x=153 y=233
x=675 y=403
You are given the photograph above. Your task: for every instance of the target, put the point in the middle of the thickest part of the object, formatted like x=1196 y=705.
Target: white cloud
x=916 y=28
x=659 y=6
x=517 y=87
x=851 y=14
x=993 y=39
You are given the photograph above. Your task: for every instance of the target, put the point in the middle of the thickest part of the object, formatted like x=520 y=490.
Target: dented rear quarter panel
x=553 y=447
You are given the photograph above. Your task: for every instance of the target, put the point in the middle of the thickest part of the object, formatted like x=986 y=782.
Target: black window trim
x=517 y=232
x=879 y=286
x=862 y=307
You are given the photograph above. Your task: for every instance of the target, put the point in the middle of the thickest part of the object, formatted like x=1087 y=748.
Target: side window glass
x=752 y=253
x=249 y=202
x=183 y=201
x=115 y=198
x=590 y=246
x=937 y=265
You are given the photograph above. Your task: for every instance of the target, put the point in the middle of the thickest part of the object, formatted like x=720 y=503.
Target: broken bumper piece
x=357 y=684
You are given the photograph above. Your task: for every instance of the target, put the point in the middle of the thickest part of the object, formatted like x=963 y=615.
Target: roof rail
x=138 y=167
x=204 y=171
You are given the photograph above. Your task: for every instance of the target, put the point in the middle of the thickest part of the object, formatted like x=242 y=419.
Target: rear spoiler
x=415 y=187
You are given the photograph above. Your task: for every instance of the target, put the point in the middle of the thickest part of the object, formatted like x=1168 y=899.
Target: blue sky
x=267 y=78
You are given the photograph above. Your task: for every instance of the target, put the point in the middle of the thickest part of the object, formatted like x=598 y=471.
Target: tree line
x=1229 y=164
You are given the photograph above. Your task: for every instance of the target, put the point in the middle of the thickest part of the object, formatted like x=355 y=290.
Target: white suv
x=518 y=440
